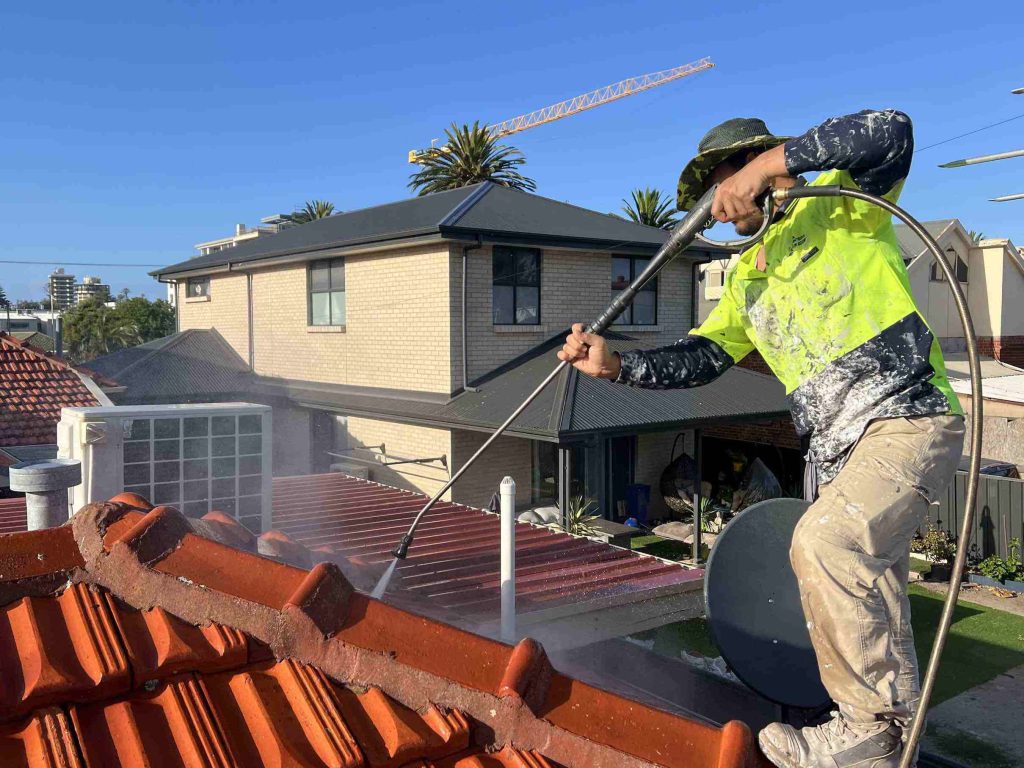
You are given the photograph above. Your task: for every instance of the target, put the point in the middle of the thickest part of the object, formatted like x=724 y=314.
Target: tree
x=651 y=207
x=92 y=329
x=5 y=304
x=976 y=237
x=151 y=319
x=470 y=155
x=312 y=210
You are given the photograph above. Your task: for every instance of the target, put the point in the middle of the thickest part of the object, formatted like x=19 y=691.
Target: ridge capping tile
x=322 y=598
x=156 y=535
x=36 y=563
x=528 y=674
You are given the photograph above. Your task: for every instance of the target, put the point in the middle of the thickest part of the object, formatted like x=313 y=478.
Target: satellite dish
x=753 y=605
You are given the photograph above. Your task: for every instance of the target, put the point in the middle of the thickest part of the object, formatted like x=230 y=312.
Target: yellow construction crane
x=569 y=107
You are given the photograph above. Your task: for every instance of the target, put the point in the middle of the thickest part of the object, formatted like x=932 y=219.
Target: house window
x=327 y=292
x=197 y=287
x=959 y=267
x=715 y=278
x=644 y=309
x=516 y=286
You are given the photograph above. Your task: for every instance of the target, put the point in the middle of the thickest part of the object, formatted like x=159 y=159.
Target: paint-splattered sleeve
x=707 y=353
x=875 y=146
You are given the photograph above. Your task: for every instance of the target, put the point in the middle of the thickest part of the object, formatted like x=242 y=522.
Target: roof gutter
x=414 y=237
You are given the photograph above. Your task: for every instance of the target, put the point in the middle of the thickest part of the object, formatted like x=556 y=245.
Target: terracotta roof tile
x=149 y=644
x=36 y=385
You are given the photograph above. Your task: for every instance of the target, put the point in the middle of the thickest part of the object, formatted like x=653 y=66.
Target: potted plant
x=1006 y=572
x=940 y=548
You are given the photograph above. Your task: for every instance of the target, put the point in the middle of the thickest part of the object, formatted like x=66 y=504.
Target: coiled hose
x=928 y=683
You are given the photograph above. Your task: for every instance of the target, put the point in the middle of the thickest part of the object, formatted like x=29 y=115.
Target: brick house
x=416 y=325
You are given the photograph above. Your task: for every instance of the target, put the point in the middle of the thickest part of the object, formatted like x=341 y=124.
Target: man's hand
x=735 y=198
x=589 y=354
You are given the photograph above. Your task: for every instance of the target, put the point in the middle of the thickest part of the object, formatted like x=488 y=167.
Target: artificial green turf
x=669 y=549
x=983 y=642
x=969 y=749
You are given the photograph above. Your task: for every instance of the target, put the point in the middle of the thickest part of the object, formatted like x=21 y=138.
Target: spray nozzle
x=402 y=550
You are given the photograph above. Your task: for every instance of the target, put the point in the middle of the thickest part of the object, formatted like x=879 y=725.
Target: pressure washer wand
x=685 y=232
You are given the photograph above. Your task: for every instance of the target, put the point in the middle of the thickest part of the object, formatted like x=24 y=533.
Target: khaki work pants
x=851 y=555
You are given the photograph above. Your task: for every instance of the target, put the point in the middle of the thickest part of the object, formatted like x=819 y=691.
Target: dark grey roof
x=485 y=209
x=572 y=406
x=186 y=366
x=910 y=244
x=199 y=365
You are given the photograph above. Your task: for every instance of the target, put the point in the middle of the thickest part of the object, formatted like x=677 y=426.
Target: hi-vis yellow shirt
x=833 y=316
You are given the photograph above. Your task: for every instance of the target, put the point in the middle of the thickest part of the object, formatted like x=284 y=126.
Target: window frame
x=331 y=290
x=650 y=287
x=204 y=281
x=513 y=250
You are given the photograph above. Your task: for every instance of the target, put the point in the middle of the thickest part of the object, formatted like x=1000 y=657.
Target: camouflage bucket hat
x=718 y=144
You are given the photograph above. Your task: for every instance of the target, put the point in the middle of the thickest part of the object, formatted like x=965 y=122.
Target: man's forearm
x=875 y=146
x=690 y=362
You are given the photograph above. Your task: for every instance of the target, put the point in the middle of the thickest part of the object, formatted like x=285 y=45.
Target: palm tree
x=312 y=210
x=470 y=155
x=976 y=237
x=651 y=207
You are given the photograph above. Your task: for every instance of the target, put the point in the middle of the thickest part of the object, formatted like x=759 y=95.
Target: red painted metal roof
x=12 y=515
x=35 y=387
x=128 y=639
x=454 y=562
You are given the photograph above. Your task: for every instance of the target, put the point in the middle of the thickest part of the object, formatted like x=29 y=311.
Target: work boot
x=835 y=744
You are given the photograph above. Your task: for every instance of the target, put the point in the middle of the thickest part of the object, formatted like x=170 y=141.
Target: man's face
x=748 y=225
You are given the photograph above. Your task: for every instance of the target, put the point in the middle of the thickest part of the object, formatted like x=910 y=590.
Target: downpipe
x=946 y=619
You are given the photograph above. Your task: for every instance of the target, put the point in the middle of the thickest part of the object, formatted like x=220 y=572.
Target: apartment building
x=406 y=332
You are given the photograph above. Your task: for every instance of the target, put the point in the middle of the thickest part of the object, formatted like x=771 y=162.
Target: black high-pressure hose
x=928 y=684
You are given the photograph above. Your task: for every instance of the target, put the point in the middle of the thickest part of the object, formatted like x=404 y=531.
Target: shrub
x=937 y=545
x=1001 y=569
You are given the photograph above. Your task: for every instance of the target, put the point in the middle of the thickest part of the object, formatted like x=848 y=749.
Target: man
x=826 y=300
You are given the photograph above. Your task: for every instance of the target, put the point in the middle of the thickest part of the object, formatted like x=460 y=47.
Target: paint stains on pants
x=851 y=555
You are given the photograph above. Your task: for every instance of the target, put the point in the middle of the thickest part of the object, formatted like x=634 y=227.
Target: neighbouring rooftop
x=483 y=209
x=570 y=590
x=128 y=638
x=35 y=386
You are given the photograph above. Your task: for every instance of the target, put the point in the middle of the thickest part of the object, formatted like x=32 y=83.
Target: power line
x=969 y=133
x=77 y=263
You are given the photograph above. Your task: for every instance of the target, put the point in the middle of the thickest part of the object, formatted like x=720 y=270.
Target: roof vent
x=45 y=483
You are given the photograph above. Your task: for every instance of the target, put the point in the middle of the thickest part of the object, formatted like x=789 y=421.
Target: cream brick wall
x=575 y=287
x=507 y=456
x=225 y=311
x=397 y=329
x=403 y=441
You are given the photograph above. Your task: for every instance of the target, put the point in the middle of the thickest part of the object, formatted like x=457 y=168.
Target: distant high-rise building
x=62 y=289
x=91 y=288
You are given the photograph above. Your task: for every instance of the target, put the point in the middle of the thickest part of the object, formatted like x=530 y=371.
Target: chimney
x=239 y=229
x=45 y=483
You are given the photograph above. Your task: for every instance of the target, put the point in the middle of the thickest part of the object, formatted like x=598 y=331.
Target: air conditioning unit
x=197 y=457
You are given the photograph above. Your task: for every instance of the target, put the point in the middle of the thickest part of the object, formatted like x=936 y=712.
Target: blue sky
x=131 y=131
